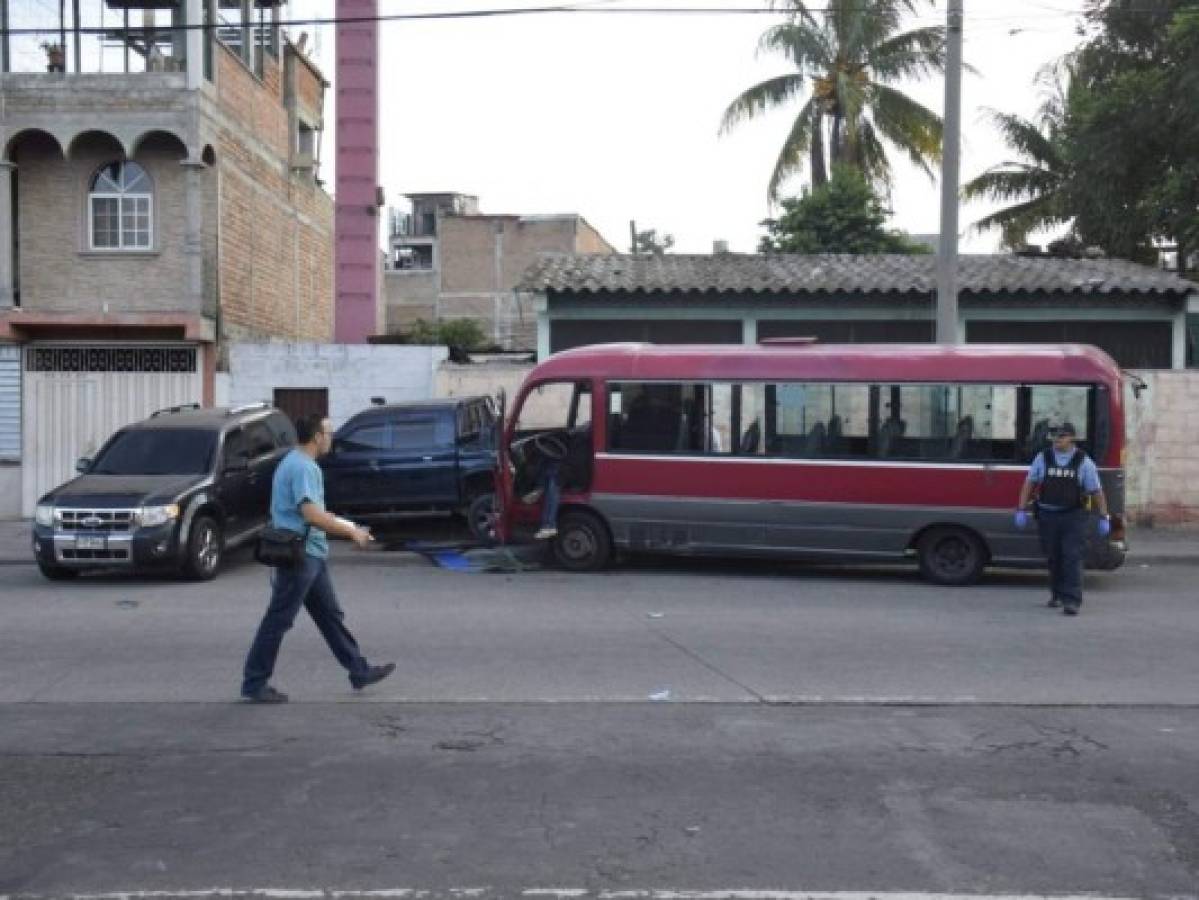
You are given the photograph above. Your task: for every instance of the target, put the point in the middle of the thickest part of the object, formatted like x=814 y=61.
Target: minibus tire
x=951 y=556
x=583 y=543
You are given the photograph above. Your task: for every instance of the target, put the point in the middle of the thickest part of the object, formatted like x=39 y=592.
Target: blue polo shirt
x=299 y=480
x=1087 y=472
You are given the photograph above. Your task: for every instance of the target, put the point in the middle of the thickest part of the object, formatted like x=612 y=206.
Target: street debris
x=659 y=696
x=654 y=615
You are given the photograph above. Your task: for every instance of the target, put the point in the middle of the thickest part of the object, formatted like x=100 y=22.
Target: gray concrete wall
x=352 y=374
x=10 y=490
x=58 y=270
x=409 y=295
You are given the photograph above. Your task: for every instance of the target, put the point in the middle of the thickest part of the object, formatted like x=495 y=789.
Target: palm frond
x=804 y=45
x=792 y=157
x=913 y=54
x=1012 y=181
x=910 y=126
x=871 y=158
x=1027 y=139
x=1017 y=222
x=761 y=98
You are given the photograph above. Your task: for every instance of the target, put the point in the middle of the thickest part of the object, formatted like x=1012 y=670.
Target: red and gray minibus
x=794 y=449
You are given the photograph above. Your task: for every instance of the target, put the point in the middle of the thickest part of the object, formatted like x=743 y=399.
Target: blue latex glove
x=1105 y=527
x=1021 y=519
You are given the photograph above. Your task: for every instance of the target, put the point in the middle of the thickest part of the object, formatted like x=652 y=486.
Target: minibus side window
x=946 y=422
x=819 y=421
x=1050 y=405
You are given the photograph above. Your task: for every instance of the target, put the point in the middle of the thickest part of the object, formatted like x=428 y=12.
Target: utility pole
x=947 y=254
x=633 y=236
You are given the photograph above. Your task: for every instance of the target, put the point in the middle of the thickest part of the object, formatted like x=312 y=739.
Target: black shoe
x=373 y=675
x=1070 y=609
x=265 y=695
x=1055 y=602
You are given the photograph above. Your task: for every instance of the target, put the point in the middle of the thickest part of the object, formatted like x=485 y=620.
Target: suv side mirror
x=83 y=464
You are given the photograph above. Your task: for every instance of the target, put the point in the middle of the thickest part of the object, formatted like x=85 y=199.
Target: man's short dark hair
x=308 y=427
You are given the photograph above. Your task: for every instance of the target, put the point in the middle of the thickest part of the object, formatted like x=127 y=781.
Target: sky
x=616 y=117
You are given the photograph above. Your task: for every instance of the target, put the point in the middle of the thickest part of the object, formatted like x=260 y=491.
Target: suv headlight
x=150 y=516
x=44 y=515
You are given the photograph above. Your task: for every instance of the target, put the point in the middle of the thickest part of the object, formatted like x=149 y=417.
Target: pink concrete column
x=357 y=253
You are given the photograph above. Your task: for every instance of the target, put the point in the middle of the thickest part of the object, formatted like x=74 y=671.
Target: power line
x=567 y=9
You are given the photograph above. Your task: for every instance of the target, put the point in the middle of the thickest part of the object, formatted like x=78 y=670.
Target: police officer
x=1063 y=475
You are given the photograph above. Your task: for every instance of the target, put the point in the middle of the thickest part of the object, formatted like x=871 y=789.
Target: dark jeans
x=1062 y=539
x=308 y=585
x=552 y=496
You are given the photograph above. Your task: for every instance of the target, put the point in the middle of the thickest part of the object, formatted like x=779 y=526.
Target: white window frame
x=121 y=198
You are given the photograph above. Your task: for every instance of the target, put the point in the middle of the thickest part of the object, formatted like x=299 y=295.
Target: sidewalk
x=1148 y=546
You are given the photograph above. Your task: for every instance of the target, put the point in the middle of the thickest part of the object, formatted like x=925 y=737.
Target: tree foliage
x=458 y=334
x=844 y=215
x=1115 y=157
x=648 y=243
x=847 y=57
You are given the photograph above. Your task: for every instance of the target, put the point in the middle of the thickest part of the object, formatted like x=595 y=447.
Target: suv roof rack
x=247 y=407
x=174 y=409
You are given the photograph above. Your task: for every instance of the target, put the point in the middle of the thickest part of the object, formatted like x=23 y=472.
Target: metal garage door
x=78 y=395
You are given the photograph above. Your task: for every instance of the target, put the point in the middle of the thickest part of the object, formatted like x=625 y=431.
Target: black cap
x=1066 y=428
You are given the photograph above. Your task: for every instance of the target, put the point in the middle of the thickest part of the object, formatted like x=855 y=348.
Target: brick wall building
x=157 y=201
x=449 y=261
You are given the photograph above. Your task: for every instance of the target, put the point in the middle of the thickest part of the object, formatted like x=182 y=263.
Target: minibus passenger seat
x=961 y=440
x=751 y=438
x=889 y=434
x=834 y=445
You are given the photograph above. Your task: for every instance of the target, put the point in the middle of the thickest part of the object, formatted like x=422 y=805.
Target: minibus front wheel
x=583 y=543
x=951 y=555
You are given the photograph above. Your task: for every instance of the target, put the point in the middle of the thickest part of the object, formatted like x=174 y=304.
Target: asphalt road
x=661 y=730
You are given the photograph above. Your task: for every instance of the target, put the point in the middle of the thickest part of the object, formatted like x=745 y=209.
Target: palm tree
x=846 y=62
x=1040 y=180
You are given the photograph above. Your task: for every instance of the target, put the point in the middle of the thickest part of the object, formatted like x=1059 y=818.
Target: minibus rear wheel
x=951 y=555
x=583 y=543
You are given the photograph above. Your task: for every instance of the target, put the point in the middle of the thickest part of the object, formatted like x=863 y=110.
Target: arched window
x=121 y=208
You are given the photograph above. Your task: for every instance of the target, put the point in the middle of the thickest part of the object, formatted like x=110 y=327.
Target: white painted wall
x=352 y=373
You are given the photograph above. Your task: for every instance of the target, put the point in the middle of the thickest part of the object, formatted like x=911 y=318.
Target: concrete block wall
x=409 y=295
x=352 y=373
x=1162 y=434
x=58 y=271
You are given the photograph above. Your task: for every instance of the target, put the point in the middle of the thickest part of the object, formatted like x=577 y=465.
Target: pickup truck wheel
x=480 y=517
x=205 y=550
x=583 y=543
x=56 y=573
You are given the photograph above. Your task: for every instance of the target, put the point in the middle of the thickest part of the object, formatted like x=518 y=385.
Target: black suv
x=173 y=492
x=433 y=456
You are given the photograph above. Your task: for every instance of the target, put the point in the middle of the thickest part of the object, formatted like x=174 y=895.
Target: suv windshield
x=157 y=452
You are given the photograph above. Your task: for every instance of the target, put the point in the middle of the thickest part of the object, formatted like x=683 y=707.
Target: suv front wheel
x=205 y=549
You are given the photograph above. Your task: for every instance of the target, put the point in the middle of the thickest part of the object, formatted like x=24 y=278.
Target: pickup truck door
x=355 y=472
x=424 y=459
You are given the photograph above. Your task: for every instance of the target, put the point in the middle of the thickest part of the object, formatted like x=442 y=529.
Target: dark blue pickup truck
x=434 y=456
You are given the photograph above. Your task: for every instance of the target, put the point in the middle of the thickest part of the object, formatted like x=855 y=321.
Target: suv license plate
x=91 y=543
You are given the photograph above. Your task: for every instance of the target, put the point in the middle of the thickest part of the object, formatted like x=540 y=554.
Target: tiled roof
x=843 y=273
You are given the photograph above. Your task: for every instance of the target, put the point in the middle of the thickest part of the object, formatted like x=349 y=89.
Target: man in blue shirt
x=1063 y=476
x=298 y=504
